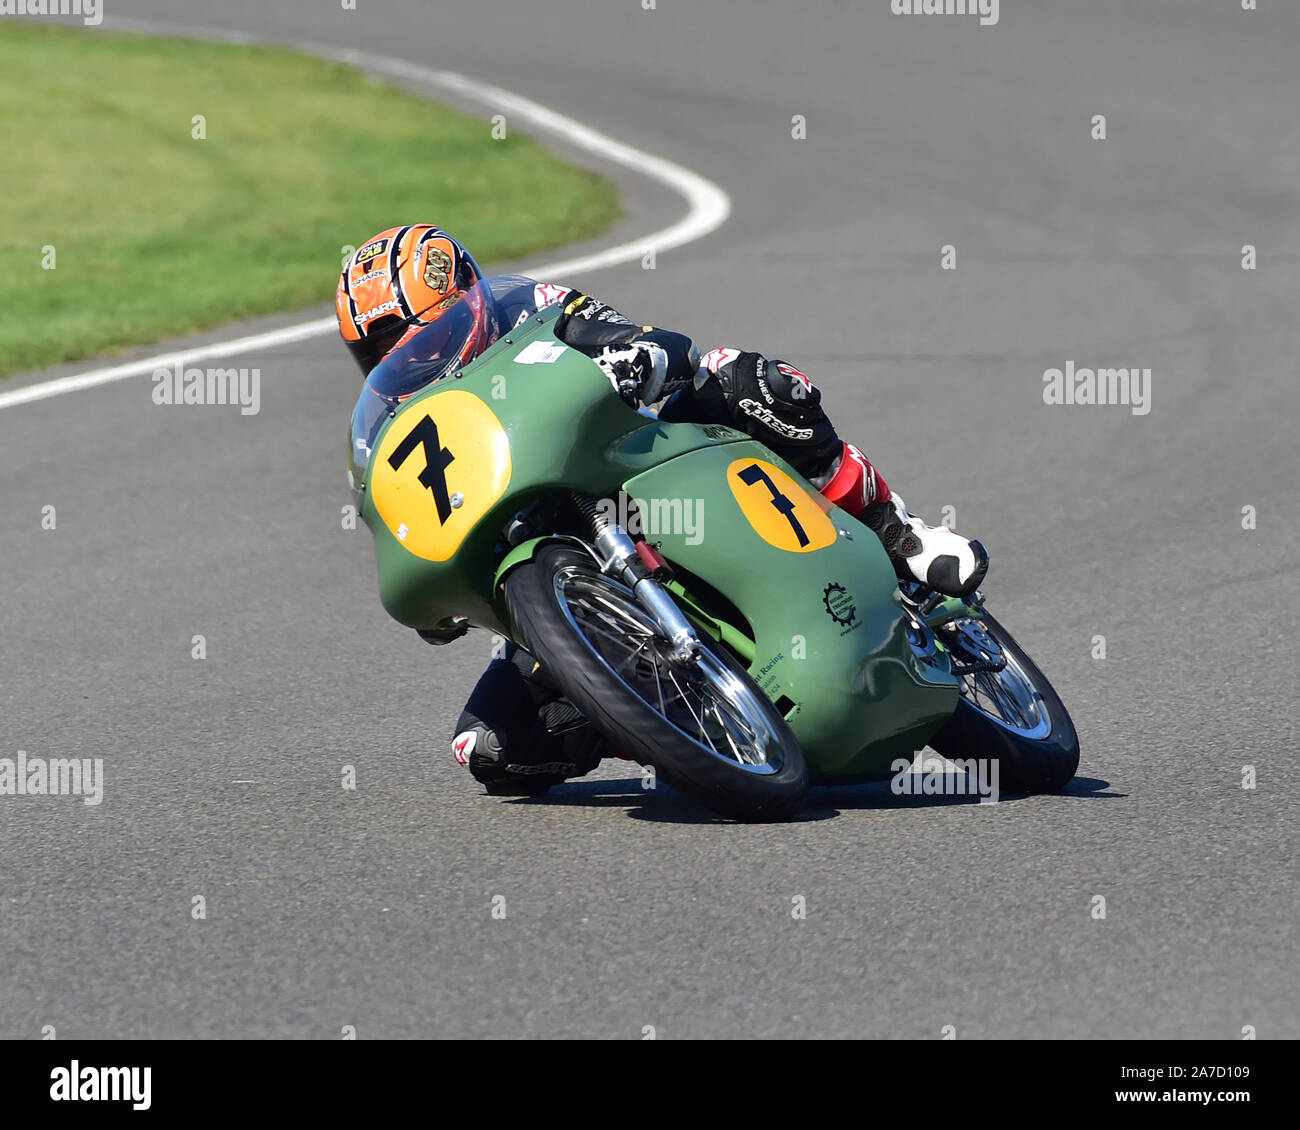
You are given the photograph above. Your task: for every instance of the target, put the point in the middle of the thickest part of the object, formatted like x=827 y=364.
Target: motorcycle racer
x=516 y=734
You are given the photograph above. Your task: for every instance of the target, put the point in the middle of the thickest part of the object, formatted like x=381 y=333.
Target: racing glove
x=643 y=363
x=638 y=370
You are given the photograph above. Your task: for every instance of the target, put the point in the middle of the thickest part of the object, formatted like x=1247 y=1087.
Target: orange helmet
x=396 y=284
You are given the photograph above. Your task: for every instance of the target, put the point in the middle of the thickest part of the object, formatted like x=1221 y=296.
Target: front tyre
x=704 y=724
x=1012 y=716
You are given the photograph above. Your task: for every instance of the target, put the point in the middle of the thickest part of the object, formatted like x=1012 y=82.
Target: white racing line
x=709 y=205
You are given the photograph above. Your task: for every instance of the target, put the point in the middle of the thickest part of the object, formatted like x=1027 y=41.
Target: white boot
x=934 y=555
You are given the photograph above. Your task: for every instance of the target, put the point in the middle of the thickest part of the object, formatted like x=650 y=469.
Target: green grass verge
x=156 y=233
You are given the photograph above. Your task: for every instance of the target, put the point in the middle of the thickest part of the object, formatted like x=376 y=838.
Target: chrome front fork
x=621 y=561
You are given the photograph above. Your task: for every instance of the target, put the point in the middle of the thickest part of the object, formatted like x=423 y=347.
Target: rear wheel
x=1010 y=715
x=703 y=723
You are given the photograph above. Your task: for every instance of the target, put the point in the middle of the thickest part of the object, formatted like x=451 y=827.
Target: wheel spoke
x=686 y=702
x=702 y=699
x=631 y=658
x=726 y=732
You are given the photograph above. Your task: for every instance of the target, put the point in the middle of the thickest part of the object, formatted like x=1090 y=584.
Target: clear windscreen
x=487 y=310
x=457 y=337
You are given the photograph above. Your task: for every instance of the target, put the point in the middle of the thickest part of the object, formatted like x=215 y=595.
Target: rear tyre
x=1012 y=716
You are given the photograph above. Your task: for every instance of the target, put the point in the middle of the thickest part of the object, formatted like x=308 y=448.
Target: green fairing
x=858 y=695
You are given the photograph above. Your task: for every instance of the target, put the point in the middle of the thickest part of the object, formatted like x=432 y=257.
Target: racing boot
x=935 y=556
x=518 y=736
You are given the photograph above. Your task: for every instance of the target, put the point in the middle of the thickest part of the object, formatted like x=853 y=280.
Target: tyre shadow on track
x=660 y=805
x=825 y=802
x=954 y=786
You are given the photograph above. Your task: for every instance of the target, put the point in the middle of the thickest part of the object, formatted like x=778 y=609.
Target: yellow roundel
x=780 y=510
x=443 y=463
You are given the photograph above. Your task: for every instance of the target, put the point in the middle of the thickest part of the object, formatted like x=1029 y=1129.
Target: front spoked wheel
x=702 y=722
x=705 y=700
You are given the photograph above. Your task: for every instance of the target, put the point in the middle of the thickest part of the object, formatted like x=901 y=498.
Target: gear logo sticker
x=839 y=604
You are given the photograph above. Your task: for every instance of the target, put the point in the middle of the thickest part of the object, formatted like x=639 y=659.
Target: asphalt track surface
x=372 y=907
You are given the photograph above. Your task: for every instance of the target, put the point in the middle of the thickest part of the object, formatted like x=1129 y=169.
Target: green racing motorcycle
x=701 y=604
